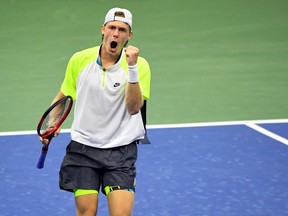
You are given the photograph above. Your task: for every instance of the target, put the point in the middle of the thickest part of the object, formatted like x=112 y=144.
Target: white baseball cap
x=119 y=14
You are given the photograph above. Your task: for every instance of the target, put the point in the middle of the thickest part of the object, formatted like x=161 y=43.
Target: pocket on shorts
x=132 y=152
x=75 y=147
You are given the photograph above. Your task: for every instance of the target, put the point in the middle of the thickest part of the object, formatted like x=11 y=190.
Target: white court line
x=267 y=133
x=224 y=123
x=200 y=124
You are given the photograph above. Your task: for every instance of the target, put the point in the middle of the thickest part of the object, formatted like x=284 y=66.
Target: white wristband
x=133 y=74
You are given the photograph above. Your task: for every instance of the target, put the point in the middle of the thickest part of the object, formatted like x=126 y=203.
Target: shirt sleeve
x=74 y=67
x=144 y=77
x=68 y=86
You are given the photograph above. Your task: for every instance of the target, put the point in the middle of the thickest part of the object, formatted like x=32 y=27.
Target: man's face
x=115 y=35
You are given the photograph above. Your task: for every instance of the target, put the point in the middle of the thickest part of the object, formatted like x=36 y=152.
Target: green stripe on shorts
x=80 y=192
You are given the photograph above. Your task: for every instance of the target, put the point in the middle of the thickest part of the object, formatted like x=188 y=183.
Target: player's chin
x=117 y=46
x=115 y=51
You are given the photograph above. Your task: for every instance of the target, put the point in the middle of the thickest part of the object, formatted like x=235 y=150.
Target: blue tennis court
x=215 y=169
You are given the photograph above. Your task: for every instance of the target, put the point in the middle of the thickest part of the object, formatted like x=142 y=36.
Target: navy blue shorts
x=86 y=167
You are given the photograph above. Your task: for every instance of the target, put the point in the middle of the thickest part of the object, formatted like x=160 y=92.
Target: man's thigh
x=87 y=204
x=120 y=202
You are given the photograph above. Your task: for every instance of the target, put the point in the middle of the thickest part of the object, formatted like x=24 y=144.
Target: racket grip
x=42 y=158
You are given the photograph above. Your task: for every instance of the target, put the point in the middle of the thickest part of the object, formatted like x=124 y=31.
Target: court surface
x=213 y=169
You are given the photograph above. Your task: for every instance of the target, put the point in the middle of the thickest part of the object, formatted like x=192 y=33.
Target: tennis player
x=109 y=84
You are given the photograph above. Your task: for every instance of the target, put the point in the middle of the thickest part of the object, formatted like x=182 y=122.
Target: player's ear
x=102 y=29
x=130 y=34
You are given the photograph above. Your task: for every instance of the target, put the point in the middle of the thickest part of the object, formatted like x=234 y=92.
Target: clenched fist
x=131 y=55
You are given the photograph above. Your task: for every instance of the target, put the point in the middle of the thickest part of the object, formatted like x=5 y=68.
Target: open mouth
x=113 y=44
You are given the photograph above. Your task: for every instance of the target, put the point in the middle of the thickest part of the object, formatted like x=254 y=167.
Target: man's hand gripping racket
x=50 y=123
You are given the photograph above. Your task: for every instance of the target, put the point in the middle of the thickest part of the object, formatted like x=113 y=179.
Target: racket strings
x=54 y=117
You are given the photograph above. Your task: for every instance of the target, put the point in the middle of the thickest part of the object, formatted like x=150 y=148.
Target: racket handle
x=42 y=157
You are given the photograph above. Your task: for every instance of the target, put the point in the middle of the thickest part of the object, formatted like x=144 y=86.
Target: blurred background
x=216 y=60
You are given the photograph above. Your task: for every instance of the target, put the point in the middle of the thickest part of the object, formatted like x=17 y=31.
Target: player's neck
x=108 y=59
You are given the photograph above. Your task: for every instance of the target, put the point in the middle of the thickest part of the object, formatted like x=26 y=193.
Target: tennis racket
x=50 y=123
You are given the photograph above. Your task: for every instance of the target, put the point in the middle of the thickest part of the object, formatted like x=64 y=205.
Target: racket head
x=54 y=116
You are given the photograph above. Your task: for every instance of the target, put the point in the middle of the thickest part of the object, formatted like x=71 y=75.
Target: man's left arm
x=133 y=96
